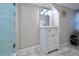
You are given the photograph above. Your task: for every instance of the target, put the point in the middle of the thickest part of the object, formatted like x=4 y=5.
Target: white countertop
x=49 y=27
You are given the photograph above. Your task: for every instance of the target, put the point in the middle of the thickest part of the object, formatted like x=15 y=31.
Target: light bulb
x=41 y=12
x=44 y=10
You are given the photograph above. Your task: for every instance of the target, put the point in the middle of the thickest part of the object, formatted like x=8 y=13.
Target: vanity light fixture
x=45 y=12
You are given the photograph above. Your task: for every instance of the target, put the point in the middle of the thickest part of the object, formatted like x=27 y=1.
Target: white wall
x=66 y=23
x=28 y=25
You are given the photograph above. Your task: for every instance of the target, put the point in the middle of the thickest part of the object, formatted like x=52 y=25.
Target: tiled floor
x=67 y=50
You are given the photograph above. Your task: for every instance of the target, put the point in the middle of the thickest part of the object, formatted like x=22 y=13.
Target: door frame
x=16 y=35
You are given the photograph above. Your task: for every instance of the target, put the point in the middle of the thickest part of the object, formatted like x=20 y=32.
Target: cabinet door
x=52 y=41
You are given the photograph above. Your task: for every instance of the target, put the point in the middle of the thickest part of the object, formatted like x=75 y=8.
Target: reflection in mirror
x=45 y=17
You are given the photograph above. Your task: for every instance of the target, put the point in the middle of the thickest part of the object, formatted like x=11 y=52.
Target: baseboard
x=61 y=45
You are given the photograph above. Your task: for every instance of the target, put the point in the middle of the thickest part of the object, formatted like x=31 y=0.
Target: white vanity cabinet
x=49 y=39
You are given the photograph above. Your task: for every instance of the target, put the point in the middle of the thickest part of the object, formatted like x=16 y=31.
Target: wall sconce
x=64 y=13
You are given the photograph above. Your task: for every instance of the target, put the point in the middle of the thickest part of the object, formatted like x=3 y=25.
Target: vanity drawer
x=50 y=31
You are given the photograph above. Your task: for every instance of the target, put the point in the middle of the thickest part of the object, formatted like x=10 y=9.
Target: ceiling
x=74 y=6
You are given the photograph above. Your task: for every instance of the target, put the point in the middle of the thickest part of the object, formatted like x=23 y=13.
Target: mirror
x=45 y=17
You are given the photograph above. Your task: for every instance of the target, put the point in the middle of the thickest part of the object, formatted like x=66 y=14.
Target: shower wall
x=7 y=28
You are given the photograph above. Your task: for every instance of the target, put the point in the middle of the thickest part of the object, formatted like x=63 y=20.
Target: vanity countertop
x=49 y=27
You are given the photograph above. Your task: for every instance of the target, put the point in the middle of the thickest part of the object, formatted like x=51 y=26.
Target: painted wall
x=28 y=26
x=66 y=23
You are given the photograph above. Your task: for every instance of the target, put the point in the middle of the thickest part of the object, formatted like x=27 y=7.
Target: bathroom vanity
x=49 y=38
x=49 y=30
